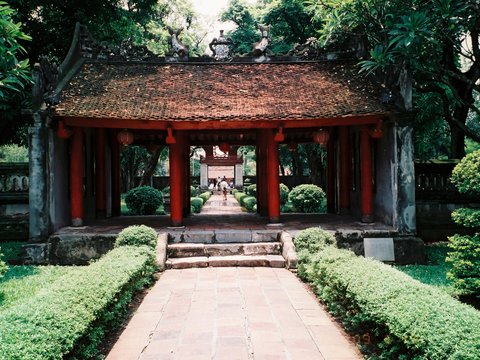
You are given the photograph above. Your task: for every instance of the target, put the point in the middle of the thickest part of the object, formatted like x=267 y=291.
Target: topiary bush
x=307 y=198
x=205 y=196
x=251 y=190
x=196 y=204
x=284 y=191
x=400 y=317
x=137 y=235
x=314 y=239
x=68 y=319
x=194 y=191
x=465 y=249
x=249 y=203
x=143 y=200
x=239 y=196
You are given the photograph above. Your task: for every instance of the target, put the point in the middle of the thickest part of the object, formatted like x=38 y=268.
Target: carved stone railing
x=13 y=178
x=432 y=180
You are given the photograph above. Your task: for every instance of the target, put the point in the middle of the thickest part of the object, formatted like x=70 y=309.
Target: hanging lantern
x=62 y=131
x=224 y=147
x=125 y=137
x=292 y=146
x=321 y=137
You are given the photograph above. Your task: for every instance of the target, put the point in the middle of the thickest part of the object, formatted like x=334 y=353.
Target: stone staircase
x=224 y=248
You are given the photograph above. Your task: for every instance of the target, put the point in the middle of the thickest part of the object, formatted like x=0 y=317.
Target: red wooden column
x=76 y=177
x=262 y=185
x=344 y=170
x=331 y=176
x=115 y=166
x=366 y=173
x=176 y=180
x=100 y=174
x=273 y=178
x=187 y=178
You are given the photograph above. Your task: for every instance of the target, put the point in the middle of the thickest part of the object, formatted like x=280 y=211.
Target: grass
x=435 y=272
x=22 y=282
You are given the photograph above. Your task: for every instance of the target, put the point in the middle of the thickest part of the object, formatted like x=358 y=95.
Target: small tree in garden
x=307 y=198
x=465 y=254
x=143 y=200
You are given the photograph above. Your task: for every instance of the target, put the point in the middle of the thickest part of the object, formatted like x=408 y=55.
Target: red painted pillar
x=366 y=173
x=262 y=185
x=187 y=178
x=115 y=166
x=100 y=175
x=76 y=177
x=176 y=180
x=344 y=170
x=331 y=176
x=273 y=178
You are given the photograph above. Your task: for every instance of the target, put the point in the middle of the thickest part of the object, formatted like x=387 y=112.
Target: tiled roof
x=202 y=92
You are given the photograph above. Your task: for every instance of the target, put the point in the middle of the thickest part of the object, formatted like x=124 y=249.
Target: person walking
x=224 y=187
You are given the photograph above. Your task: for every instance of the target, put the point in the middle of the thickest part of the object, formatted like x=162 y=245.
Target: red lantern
x=224 y=147
x=321 y=137
x=62 y=131
x=125 y=137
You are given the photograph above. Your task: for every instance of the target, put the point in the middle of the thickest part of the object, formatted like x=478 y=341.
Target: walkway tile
x=232 y=313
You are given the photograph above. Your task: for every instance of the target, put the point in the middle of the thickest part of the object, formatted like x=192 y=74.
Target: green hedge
x=284 y=191
x=249 y=202
x=401 y=317
x=70 y=317
x=205 y=196
x=251 y=190
x=196 y=204
x=307 y=198
x=240 y=196
x=3 y=266
x=137 y=235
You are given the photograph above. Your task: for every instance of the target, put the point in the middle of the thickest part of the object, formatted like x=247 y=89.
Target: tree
x=14 y=73
x=246 y=32
x=416 y=46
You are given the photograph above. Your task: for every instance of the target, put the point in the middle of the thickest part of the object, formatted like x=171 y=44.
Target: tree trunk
x=150 y=167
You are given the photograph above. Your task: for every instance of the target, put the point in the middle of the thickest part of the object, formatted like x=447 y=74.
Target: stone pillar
x=77 y=172
x=366 y=173
x=344 y=170
x=38 y=194
x=273 y=179
x=204 y=175
x=405 y=215
x=238 y=174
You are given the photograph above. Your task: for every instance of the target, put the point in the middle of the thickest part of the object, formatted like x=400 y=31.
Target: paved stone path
x=232 y=313
x=217 y=206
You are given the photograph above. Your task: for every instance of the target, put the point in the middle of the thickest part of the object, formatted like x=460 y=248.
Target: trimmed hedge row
x=205 y=196
x=403 y=318
x=240 y=196
x=196 y=204
x=249 y=202
x=71 y=317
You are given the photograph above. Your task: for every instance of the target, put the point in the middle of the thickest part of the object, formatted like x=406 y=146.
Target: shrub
x=307 y=198
x=249 y=202
x=69 y=318
x=143 y=200
x=205 y=196
x=239 y=196
x=465 y=254
x=286 y=208
x=284 y=191
x=196 y=203
x=251 y=190
x=194 y=191
x=137 y=235
x=3 y=266
x=403 y=318
x=166 y=190
x=313 y=239
x=234 y=191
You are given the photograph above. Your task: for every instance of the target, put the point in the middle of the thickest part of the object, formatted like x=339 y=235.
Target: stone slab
x=265 y=235
x=186 y=263
x=233 y=236
x=185 y=250
x=161 y=250
x=379 y=249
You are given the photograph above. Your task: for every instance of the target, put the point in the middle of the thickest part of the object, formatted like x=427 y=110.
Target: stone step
x=222 y=236
x=195 y=250
x=275 y=261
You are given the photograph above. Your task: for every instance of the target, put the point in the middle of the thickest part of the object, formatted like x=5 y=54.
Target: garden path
x=232 y=313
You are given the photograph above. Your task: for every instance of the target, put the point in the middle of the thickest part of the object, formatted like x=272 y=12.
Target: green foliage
x=11 y=250
x=166 y=190
x=466 y=175
x=307 y=198
x=196 y=203
x=144 y=200
x=251 y=190
x=240 y=196
x=205 y=196
x=245 y=34
x=249 y=203
x=137 y=235
x=3 y=266
x=21 y=283
x=313 y=240
x=13 y=153
x=15 y=76
x=70 y=317
x=467 y=217
x=194 y=191
x=403 y=318
x=465 y=261
x=284 y=191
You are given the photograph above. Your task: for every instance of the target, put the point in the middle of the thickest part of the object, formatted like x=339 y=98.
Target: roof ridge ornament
x=177 y=46
x=221 y=47
x=260 y=47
